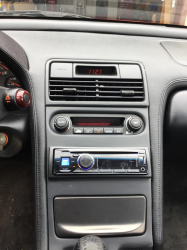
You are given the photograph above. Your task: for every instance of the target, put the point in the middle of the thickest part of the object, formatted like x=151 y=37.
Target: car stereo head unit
x=81 y=161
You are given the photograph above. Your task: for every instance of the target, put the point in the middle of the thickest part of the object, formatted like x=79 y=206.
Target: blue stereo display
x=65 y=161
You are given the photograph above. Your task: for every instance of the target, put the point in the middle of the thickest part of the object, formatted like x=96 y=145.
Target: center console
x=98 y=154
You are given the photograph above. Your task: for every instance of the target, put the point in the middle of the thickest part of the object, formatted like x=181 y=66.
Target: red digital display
x=94 y=124
x=96 y=70
x=97 y=121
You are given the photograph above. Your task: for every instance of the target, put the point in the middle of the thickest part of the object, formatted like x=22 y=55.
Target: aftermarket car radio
x=99 y=161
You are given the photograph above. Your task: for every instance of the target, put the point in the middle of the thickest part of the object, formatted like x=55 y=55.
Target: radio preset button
x=118 y=170
x=98 y=130
x=65 y=171
x=133 y=170
x=88 y=130
x=118 y=130
x=108 y=130
x=78 y=130
x=105 y=170
x=79 y=171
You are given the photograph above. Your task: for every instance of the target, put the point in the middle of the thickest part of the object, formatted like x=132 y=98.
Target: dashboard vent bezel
x=85 y=104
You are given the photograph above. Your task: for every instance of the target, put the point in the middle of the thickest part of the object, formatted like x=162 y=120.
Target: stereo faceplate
x=99 y=161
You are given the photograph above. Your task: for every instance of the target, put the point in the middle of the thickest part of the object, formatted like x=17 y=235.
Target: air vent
x=92 y=89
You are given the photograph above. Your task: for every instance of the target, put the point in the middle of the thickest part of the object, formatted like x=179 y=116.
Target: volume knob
x=85 y=161
x=61 y=123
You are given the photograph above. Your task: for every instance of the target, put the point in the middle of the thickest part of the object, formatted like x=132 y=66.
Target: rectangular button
x=98 y=130
x=105 y=170
x=108 y=130
x=130 y=71
x=61 y=70
x=145 y=161
x=88 y=130
x=95 y=170
x=78 y=130
x=133 y=170
x=65 y=171
x=78 y=171
x=118 y=170
x=141 y=151
x=118 y=130
x=141 y=161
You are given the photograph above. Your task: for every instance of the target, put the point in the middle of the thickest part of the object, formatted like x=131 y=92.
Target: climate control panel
x=67 y=124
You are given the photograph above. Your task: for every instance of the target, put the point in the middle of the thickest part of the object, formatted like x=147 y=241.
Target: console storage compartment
x=110 y=215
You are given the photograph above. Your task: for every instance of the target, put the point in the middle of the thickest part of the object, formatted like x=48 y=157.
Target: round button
x=61 y=123
x=23 y=98
x=85 y=161
x=26 y=98
x=3 y=139
x=134 y=123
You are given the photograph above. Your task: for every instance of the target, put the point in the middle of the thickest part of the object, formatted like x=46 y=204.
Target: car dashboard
x=98 y=102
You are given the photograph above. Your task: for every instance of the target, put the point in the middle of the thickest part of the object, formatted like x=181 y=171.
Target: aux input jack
x=143 y=169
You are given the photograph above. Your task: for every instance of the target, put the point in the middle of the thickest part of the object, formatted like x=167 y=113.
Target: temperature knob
x=61 y=123
x=85 y=161
x=134 y=124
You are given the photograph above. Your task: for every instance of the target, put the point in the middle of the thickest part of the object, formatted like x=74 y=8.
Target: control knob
x=134 y=124
x=15 y=99
x=61 y=123
x=85 y=161
x=3 y=140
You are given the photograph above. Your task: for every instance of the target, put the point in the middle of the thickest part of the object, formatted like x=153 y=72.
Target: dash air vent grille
x=81 y=89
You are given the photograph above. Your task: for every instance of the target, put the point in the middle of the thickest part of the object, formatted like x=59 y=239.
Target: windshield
x=170 y=12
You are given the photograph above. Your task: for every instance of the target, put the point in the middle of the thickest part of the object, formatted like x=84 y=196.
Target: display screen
x=116 y=164
x=96 y=70
x=97 y=121
x=65 y=161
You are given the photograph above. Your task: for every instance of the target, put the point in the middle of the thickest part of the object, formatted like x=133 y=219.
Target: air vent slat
x=101 y=87
x=100 y=92
x=97 y=81
x=85 y=89
x=91 y=96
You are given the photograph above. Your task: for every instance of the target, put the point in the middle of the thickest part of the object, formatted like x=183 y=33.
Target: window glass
x=171 y=12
